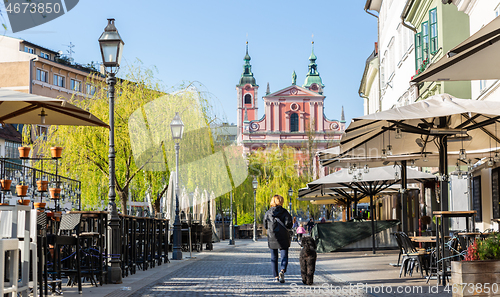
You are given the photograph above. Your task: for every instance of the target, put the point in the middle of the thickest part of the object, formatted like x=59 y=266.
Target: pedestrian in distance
x=277 y=222
x=300 y=232
x=310 y=225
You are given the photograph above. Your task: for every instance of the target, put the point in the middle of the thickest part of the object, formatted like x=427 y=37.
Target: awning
x=476 y=58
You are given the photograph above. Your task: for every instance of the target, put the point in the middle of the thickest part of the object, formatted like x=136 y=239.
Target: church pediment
x=294 y=91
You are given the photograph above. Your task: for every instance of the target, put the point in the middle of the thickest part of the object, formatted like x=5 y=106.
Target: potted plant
x=21 y=190
x=42 y=185
x=39 y=205
x=5 y=183
x=24 y=152
x=23 y=202
x=55 y=193
x=56 y=152
x=481 y=265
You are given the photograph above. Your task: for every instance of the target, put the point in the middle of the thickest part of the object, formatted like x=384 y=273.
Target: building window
x=76 y=85
x=29 y=49
x=90 y=89
x=45 y=55
x=248 y=99
x=59 y=81
x=433 y=30
x=11 y=150
x=294 y=122
x=482 y=85
x=425 y=40
x=41 y=75
x=418 y=50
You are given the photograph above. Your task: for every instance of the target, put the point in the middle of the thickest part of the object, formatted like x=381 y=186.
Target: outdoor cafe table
x=441 y=217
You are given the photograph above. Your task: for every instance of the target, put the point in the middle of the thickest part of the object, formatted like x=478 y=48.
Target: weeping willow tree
x=145 y=153
x=278 y=170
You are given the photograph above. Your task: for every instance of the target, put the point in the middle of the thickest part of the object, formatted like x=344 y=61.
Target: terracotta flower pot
x=54 y=193
x=21 y=190
x=2 y=204
x=39 y=205
x=56 y=152
x=42 y=185
x=24 y=152
x=24 y=202
x=5 y=184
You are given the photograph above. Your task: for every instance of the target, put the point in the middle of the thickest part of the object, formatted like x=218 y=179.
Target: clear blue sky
x=204 y=41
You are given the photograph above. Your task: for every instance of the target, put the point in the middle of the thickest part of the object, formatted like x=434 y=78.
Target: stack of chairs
x=412 y=258
x=66 y=260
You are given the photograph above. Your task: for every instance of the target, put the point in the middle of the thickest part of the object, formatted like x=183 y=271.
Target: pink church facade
x=291 y=114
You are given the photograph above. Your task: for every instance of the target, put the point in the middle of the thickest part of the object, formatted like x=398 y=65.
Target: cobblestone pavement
x=244 y=270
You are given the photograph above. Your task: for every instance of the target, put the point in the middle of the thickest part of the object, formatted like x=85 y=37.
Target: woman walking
x=277 y=221
x=300 y=232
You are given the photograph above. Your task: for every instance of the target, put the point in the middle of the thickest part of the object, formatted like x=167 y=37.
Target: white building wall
x=10 y=50
x=397 y=56
x=480 y=13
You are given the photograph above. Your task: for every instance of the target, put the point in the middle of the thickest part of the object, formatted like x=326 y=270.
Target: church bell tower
x=247 y=97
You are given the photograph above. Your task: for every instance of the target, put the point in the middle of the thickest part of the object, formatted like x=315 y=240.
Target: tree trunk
x=123 y=195
x=156 y=206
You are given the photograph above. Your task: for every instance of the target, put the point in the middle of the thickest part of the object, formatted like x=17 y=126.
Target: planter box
x=470 y=278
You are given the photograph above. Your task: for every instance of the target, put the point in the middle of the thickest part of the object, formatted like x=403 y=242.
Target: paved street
x=245 y=270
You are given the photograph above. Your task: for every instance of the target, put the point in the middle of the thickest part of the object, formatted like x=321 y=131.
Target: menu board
x=495 y=193
x=476 y=196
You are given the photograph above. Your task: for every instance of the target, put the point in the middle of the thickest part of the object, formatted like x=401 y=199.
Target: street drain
x=178 y=284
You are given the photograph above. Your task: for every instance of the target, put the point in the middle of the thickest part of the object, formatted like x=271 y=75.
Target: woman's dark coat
x=281 y=240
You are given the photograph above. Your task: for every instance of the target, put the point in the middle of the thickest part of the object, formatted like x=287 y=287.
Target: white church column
x=276 y=116
x=321 y=127
x=312 y=112
x=268 y=117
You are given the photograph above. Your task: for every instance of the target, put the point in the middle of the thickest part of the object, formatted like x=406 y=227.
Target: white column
x=312 y=118
x=268 y=116
x=287 y=122
x=321 y=127
x=276 y=116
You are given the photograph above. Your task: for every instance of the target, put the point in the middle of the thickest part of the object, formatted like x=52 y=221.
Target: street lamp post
x=177 y=128
x=111 y=50
x=290 y=194
x=231 y=225
x=255 y=183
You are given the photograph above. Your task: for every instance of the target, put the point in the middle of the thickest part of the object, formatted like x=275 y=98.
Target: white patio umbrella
x=370 y=184
x=22 y=108
x=476 y=58
x=432 y=126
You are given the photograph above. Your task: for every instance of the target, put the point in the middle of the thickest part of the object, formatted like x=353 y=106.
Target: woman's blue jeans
x=274 y=261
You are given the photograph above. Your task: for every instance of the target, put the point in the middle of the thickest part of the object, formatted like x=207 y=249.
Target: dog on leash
x=307 y=260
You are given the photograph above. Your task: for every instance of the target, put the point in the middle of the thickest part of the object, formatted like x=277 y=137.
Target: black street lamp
x=255 y=183
x=111 y=49
x=290 y=194
x=177 y=128
x=231 y=225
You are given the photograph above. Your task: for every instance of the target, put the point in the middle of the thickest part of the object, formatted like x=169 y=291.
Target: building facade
x=33 y=69
x=484 y=183
x=292 y=116
x=412 y=35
